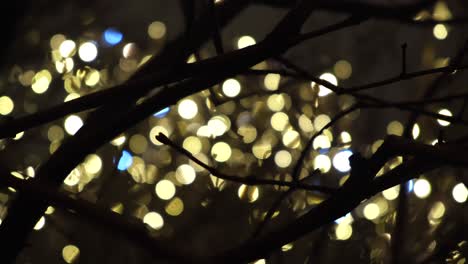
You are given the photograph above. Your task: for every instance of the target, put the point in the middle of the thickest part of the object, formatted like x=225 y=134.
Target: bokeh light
x=460 y=193
x=72 y=124
x=165 y=189
x=245 y=41
x=87 y=51
x=154 y=220
x=341 y=161
x=112 y=36
x=422 y=188
x=444 y=112
x=187 y=109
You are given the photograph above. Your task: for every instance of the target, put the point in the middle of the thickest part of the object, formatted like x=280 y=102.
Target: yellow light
x=56 y=40
x=291 y=139
x=395 y=128
x=67 y=48
x=249 y=192
x=221 y=151
x=416 y=130
x=40 y=224
x=165 y=189
x=92 y=78
x=437 y=212
x=6 y=105
x=272 y=81
x=93 y=164
x=322 y=162
x=276 y=102
x=185 y=174
x=305 y=123
x=175 y=207
x=283 y=159
x=248 y=133
x=320 y=121
x=50 y=210
x=343 y=231
x=192 y=144
x=119 y=140
x=73 y=177
x=444 y=112
x=329 y=77
x=261 y=150
x=322 y=142
x=72 y=124
x=87 y=51
x=422 y=188
x=371 y=211
x=345 y=137
x=187 y=109
x=156 y=30
x=19 y=135
x=155 y=131
x=63 y=66
x=279 y=121
x=460 y=193
x=41 y=81
x=245 y=41
x=138 y=144
x=260 y=261
x=55 y=133
x=440 y=31
x=26 y=78
x=391 y=193
x=287 y=247
x=154 y=220
x=231 y=87
x=343 y=69
x=70 y=254
x=218 y=125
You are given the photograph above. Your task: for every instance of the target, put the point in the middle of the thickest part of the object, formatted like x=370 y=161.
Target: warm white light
x=245 y=41
x=231 y=87
x=187 y=109
x=221 y=151
x=440 y=31
x=460 y=193
x=422 y=188
x=6 y=105
x=283 y=158
x=72 y=124
x=322 y=162
x=185 y=174
x=88 y=51
x=371 y=211
x=154 y=220
x=329 y=77
x=67 y=48
x=165 y=189
x=343 y=231
x=341 y=161
x=444 y=112
x=391 y=193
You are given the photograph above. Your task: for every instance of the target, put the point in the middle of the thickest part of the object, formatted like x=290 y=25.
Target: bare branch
x=248 y=180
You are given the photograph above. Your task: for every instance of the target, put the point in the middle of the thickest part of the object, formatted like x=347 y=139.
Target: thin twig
x=248 y=180
x=297 y=168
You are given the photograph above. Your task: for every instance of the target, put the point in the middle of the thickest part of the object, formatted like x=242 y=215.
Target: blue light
x=162 y=113
x=341 y=219
x=112 y=36
x=125 y=161
x=410 y=185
